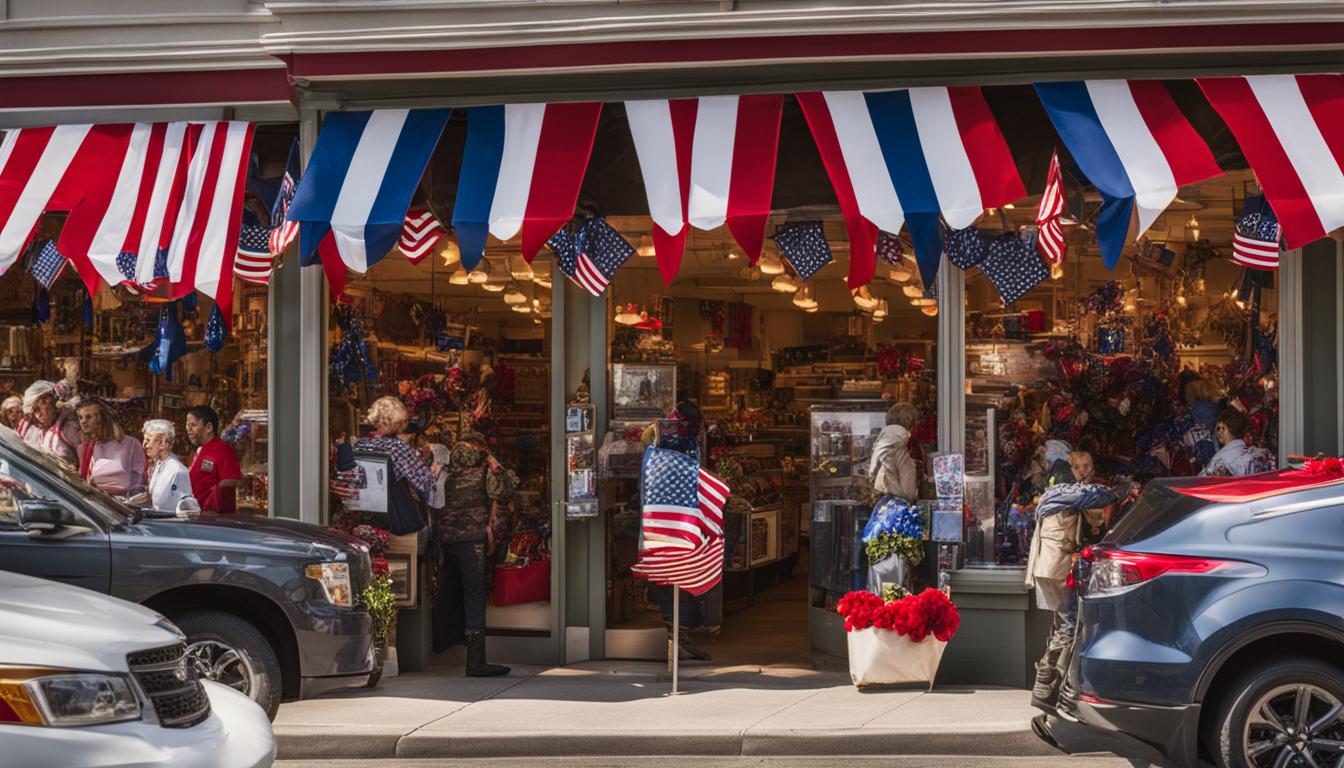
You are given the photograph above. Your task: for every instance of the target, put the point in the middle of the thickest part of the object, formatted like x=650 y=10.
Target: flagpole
x=674 y=648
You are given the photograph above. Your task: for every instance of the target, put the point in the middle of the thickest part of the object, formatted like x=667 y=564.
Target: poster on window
x=373 y=490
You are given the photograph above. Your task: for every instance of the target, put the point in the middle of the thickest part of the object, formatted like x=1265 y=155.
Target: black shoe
x=476 y=663
x=1041 y=727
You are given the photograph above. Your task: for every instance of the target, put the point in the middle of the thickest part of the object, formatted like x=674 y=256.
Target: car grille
x=170 y=682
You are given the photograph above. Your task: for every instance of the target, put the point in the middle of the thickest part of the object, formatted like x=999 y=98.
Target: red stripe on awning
x=235 y=86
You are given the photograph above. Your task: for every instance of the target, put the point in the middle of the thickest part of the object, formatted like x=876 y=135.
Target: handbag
x=529 y=583
x=404 y=513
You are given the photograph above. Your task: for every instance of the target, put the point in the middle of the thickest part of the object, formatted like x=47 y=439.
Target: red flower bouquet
x=915 y=616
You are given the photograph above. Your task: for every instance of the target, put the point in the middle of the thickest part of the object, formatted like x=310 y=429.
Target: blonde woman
x=108 y=458
x=389 y=417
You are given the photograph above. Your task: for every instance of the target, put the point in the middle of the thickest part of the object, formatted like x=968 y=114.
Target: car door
x=78 y=554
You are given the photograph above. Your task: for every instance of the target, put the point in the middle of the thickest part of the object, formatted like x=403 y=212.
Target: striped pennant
x=1132 y=142
x=1050 y=233
x=420 y=233
x=1291 y=129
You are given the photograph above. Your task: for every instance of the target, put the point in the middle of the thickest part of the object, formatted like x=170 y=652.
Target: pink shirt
x=59 y=439
x=117 y=466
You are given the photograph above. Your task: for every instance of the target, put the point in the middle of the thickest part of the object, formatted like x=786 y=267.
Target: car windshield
x=67 y=474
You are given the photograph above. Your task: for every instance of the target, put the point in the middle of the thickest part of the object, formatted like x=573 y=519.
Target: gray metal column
x=951 y=358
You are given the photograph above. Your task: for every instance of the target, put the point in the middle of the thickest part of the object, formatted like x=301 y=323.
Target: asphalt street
x=953 y=761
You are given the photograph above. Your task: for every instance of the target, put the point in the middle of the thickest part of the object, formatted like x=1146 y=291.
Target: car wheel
x=1288 y=712
x=230 y=650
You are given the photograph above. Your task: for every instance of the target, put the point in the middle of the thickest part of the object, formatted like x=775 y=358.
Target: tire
x=255 y=670
x=1276 y=682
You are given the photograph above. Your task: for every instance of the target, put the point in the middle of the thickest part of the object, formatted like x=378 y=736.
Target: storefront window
x=1132 y=366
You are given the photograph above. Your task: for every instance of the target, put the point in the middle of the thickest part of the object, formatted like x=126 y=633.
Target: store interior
x=793 y=377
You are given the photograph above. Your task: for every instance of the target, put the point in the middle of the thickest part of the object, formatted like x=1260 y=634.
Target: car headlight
x=55 y=698
x=335 y=581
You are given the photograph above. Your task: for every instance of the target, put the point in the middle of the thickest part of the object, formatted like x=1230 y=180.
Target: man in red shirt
x=214 y=470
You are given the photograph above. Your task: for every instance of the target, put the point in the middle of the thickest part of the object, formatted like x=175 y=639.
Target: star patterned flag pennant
x=420 y=233
x=214 y=330
x=804 y=244
x=47 y=264
x=681 y=526
x=889 y=249
x=1255 y=243
x=591 y=254
x=1013 y=267
x=253 y=263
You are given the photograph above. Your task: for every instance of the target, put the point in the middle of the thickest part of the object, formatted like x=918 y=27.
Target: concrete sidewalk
x=624 y=708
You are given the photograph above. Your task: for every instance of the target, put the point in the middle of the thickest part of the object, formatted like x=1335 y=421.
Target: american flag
x=421 y=231
x=285 y=230
x=1050 y=241
x=1255 y=242
x=682 y=522
x=804 y=244
x=47 y=264
x=253 y=263
x=127 y=265
x=591 y=254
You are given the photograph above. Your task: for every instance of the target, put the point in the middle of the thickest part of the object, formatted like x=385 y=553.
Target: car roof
x=1251 y=487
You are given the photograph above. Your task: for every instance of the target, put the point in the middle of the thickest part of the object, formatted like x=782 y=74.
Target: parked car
x=93 y=681
x=267 y=605
x=1212 y=624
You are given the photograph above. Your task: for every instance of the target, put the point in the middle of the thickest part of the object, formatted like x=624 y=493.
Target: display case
x=253 y=431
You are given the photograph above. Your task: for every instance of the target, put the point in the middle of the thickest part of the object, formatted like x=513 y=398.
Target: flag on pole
x=591 y=254
x=285 y=230
x=420 y=233
x=681 y=537
x=706 y=162
x=47 y=265
x=1050 y=233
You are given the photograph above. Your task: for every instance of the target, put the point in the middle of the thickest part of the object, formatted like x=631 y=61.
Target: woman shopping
x=108 y=458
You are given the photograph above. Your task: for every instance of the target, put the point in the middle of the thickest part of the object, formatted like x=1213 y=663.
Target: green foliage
x=378 y=600
x=894 y=592
x=885 y=545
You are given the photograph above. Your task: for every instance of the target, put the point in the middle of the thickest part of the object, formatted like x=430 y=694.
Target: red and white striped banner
x=420 y=233
x=1291 y=129
x=706 y=162
x=1050 y=233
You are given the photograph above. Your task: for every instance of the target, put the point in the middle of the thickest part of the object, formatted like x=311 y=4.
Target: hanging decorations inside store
x=254 y=262
x=286 y=228
x=46 y=264
x=420 y=232
x=215 y=332
x=804 y=244
x=1289 y=129
x=1132 y=142
x=521 y=171
x=590 y=254
x=350 y=366
x=706 y=162
x=940 y=151
x=95 y=172
x=1255 y=242
x=1049 y=218
x=965 y=247
x=1013 y=266
x=170 y=343
x=361 y=214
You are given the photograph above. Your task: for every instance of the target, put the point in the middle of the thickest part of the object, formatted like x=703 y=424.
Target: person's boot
x=476 y=663
x=1045 y=693
x=686 y=650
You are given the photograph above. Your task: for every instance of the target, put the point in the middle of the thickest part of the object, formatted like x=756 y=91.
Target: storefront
x=793 y=375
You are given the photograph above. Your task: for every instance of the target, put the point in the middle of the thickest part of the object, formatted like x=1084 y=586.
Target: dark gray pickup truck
x=268 y=605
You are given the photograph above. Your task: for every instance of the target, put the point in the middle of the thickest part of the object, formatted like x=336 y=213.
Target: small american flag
x=253 y=263
x=46 y=265
x=421 y=231
x=285 y=230
x=804 y=244
x=126 y=261
x=1255 y=242
x=681 y=542
x=591 y=255
x=1050 y=241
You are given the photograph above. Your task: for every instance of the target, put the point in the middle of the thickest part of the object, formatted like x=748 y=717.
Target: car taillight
x=1115 y=570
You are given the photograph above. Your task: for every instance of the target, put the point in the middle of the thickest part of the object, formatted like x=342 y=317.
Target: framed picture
x=373 y=496
x=763 y=529
x=403 y=572
x=644 y=389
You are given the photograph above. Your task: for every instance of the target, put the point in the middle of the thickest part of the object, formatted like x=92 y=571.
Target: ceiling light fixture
x=645 y=246
x=930 y=310
x=460 y=277
x=804 y=299
x=784 y=284
x=912 y=291
x=520 y=269
x=514 y=295
x=864 y=299
x=771 y=264
x=450 y=253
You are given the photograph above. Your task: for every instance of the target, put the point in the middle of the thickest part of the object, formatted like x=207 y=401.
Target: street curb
x=307 y=743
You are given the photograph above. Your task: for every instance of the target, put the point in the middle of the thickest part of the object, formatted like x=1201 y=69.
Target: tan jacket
x=892 y=468
x=1053 y=546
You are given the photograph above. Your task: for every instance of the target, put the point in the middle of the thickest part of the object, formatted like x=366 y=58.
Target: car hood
x=270 y=534
x=49 y=624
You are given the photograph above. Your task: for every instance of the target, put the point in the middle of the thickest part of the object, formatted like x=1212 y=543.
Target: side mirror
x=45 y=516
x=188 y=506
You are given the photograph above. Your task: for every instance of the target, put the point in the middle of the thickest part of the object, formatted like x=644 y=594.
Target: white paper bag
x=880 y=657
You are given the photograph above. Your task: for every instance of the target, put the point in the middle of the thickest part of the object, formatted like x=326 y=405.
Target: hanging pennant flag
x=1291 y=129
x=1255 y=242
x=898 y=157
x=1013 y=267
x=254 y=262
x=591 y=254
x=521 y=173
x=360 y=179
x=804 y=244
x=1133 y=144
x=420 y=233
x=46 y=265
x=1050 y=233
x=215 y=334
x=681 y=526
x=171 y=191
x=706 y=162
x=285 y=229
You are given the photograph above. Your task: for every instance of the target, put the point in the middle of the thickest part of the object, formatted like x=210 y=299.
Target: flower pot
x=880 y=657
